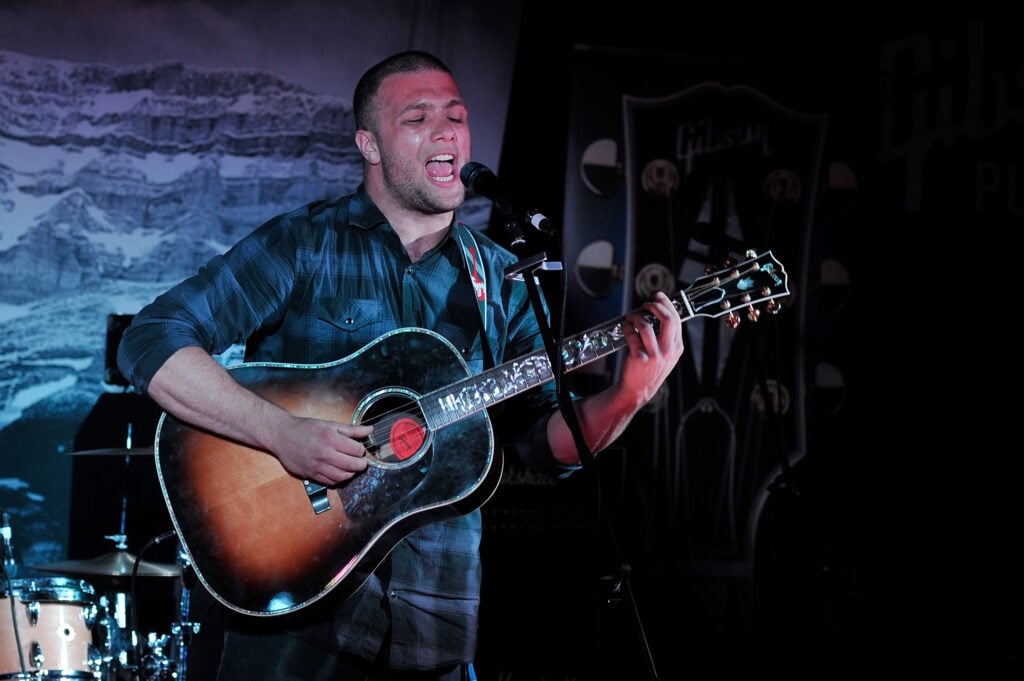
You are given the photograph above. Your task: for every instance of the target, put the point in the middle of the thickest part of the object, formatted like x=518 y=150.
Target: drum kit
x=82 y=624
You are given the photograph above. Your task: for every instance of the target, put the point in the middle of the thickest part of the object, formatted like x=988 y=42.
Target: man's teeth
x=443 y=158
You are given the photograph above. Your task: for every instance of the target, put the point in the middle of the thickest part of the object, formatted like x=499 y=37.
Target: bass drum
x=50 y=635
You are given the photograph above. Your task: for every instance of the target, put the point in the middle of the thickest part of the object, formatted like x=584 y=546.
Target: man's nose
x=445 y=130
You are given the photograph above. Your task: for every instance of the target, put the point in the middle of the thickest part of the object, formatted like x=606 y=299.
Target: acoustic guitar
x=266 y=543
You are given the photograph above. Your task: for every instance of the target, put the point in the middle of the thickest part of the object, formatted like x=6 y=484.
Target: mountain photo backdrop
x=136 y=142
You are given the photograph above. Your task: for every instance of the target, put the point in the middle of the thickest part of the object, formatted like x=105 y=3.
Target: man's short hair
x=365 y=95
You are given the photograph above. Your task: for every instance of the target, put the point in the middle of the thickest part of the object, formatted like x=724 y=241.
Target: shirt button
x=349 y=321
x=393 y=593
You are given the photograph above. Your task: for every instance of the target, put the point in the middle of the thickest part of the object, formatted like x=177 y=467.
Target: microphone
x=479 y=179
x=5 y=534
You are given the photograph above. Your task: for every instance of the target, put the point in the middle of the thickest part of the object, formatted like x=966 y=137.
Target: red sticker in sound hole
x=406 y=438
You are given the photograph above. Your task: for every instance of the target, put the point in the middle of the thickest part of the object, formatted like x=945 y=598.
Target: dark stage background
x=823 y=544
x=894 y=550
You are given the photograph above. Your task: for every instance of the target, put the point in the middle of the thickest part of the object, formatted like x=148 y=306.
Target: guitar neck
x=476 y=393
x=720 y=293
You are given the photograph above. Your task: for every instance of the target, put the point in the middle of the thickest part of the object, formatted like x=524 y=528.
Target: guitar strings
x=375 y=443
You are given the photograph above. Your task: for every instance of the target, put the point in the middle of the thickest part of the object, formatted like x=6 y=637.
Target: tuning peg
x=732 y=320
x=726 y=264
x=773 y=307
x=753 y=314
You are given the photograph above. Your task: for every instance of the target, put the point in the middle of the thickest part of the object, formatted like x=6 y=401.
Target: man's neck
x=419 y=232
x=416 y=247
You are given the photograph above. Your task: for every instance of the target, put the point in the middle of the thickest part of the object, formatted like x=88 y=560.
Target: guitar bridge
x=317 y=494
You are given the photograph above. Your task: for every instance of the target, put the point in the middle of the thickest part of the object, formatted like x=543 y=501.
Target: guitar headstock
x=724 y=292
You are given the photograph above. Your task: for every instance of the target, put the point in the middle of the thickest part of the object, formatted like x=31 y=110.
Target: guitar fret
x=526 y=373
x=592 y=345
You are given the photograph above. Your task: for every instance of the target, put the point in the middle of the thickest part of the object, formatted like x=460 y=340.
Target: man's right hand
x=327 y=452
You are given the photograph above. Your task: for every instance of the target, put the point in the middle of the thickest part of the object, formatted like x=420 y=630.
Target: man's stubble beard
x=404 y=185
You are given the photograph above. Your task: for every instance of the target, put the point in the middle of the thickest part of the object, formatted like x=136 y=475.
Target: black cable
x=133 y=623
x=567 y=407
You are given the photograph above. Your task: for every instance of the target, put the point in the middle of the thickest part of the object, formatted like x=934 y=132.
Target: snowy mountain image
x=143 y=173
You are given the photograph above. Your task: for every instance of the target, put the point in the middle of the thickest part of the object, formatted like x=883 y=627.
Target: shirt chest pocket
x=360 y=320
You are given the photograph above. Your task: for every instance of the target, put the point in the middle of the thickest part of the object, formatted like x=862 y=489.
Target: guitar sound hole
x=400 y=435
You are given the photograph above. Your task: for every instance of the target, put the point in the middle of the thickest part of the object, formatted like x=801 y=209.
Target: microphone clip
x=481 y=181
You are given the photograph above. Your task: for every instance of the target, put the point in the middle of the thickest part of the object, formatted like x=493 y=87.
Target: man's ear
x=367 y=143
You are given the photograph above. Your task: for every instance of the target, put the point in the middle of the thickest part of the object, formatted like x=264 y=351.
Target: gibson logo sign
x=936 y=93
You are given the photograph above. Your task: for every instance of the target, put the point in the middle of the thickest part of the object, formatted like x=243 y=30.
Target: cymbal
x=115 y=451
x=118 y=564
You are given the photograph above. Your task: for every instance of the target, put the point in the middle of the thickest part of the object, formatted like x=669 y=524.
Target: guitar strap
x=478 y=278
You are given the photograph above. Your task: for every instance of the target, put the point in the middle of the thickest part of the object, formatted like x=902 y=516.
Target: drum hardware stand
x=183 y=629
x=122 y=630
x=123 y=621
x=119 y=622
x=10 y=570
x=158 y=665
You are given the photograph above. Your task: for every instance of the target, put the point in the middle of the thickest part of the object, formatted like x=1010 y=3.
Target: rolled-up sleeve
x=213 y=309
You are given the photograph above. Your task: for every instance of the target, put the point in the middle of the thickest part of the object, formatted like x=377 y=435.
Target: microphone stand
x=529 y=264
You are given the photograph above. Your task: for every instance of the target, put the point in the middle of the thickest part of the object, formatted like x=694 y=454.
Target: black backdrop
x=900 y=547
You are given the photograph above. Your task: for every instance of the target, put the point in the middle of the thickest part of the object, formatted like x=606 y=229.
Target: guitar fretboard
x=465 y=398
x=479 y=392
